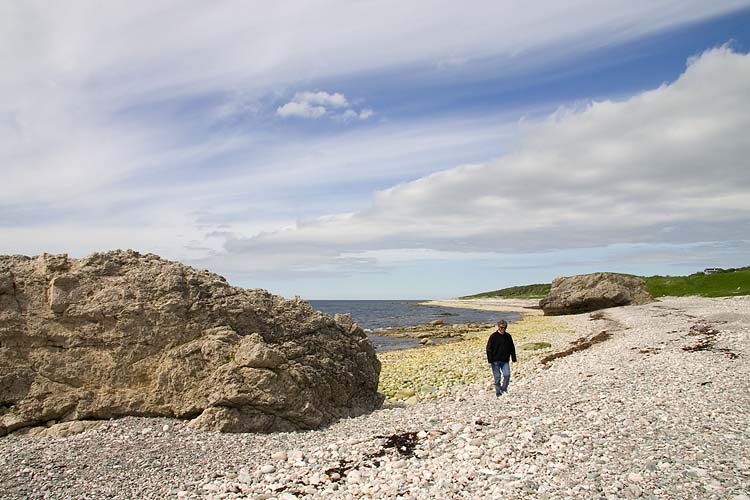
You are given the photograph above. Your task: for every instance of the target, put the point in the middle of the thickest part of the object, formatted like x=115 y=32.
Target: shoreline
x=461 y=362
x=439 y=329
x=524 y=306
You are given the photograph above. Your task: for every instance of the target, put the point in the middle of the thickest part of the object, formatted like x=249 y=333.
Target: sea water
x=375 y=315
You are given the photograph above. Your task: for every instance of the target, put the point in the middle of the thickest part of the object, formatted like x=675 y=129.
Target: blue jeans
x=501 y=368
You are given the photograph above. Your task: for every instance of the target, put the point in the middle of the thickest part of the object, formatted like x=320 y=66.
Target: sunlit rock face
x=589 y=292
x=120 y=333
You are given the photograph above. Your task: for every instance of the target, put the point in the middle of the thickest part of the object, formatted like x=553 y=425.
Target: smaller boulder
x=437 y=322
x=590 y=292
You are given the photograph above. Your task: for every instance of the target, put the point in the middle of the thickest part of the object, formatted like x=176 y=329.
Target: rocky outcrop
x=120 y=333
x=589 y=292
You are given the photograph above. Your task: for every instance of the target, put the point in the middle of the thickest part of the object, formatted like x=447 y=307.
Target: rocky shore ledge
x=120 y=333
x=656 y=408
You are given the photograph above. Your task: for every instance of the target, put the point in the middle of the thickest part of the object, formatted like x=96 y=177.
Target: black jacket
x=500 y=347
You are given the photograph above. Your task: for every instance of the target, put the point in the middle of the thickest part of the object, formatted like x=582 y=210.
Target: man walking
x=500 y=350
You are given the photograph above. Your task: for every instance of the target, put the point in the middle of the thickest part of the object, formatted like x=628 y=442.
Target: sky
x=358 y=149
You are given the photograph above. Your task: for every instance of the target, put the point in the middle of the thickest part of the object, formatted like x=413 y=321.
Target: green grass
x=536 y=291
x=725 y=283
x=722 y=284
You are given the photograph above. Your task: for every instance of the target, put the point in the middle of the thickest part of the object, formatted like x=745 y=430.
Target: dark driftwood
x=578 y=345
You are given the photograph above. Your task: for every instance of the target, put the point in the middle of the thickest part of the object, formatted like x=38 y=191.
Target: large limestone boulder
x=120 y=333
x=589 y=292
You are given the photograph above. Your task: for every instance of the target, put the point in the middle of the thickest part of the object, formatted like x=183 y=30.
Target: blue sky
x=338 y=149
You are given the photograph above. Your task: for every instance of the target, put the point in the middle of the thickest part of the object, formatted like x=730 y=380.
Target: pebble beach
x=659 y=410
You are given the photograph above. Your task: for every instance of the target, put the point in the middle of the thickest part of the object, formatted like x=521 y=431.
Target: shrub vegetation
x=722 y=283
x=536 y=291
x=717 y=283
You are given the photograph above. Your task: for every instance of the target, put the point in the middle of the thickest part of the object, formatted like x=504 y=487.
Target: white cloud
x=63 y=72
x=317 y=104
x=351 y=114
x=300 y=109
x=365 y=114
x=325 y=99
x=95 y=119
x=668 y=166
x=182 y=47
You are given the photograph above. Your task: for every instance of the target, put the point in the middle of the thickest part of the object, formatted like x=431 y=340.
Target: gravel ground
x=659 y=410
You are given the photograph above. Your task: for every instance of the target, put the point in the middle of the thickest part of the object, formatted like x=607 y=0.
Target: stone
x=125 y=334
x=64 y=429
x=633 y=491
x=244 y=476
x=354 y=476
x=315 y=479
x=404 y=393
x=634 y=477
x=456 y=427
x=437 y=322
x=267 y=469
x=590 y=292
